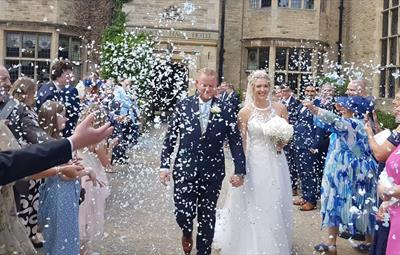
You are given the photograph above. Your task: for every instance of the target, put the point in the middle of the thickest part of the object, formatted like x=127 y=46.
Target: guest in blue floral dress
x=58 y=215
x=348 y=190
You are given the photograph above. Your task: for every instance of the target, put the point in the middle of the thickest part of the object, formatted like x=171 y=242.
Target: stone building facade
x=187 y=31
x=34 y=33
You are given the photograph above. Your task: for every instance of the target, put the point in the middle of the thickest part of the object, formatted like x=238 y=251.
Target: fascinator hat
x=357 y=104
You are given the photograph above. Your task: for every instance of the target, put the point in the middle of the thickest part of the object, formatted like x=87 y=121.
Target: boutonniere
x=215 y=109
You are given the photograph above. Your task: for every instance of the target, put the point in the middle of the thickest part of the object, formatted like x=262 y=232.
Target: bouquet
x=278 y=130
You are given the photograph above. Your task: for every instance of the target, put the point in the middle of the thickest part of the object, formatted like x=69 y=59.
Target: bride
x=257 y=217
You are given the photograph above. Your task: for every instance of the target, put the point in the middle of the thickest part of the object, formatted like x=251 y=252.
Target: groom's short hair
x=207 y=71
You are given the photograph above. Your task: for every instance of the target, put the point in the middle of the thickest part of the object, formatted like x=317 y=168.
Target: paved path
x=139 y=214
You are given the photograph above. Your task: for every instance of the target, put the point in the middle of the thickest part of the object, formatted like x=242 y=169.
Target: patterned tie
x=204 y=112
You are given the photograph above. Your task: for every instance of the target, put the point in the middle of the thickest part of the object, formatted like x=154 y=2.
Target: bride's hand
x=279 y=146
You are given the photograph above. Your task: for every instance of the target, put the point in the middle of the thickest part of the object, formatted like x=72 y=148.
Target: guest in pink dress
x=389 y=191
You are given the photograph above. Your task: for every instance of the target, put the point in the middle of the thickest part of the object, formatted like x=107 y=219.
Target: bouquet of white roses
x=278 y=130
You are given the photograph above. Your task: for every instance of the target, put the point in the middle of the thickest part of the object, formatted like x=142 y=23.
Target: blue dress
x=59 y=216
x=348 y=192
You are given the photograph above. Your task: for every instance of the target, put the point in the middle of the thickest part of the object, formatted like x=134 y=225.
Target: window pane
x=77 y=73
x=63 y=47
x=12 y=67
x=293 y=59
x=43 y=71
x=44 y=46
x=392 y=82
x=393 y=50
x=293 y=82
x=385 y=24
x=309 y=4
x=28 y=45
x=384 y=52
x=283 y=3
x=279 y=79
x=265 y=3
x=28 y=69
x=280 y=62
x=75 y=50
x=394 y=21
x=254 y=3
x=395 y=2
x=263 y=57
x=382 y=84
x=385 y=4
x=252 y=59
x=305 y=63
x=296 y=4
x=13 y=44
x=305 y=80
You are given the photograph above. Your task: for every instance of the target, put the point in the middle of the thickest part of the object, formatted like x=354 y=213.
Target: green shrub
x=387 y=120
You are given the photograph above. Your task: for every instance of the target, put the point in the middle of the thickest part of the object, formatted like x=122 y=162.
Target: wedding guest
x=349 y=180
x=96 y=157
x=60 y=89
x=381 y=153
x=291 y=104
x=59 y=195
x=232 y=98
x=306 y=158
x=127 y=127
x=390 y=194
x=26 y=129
x=321 y=141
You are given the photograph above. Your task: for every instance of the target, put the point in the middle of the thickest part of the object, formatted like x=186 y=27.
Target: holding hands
x=236 y=180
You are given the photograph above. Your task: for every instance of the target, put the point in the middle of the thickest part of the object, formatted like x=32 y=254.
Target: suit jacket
x=305 y=130
x=292 y=109
x=232 y=100
x=202 y=155
x=33 y=159
x=68 y=96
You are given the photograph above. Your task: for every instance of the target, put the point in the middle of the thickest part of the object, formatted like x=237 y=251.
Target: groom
x=202 y=123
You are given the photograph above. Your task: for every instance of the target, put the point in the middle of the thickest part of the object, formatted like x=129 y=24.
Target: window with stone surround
x=255 y=4
x=390 y=65
x=71 y=48
x=293 y=66
x=257 y=58
x=28 y=54
x=296 y=4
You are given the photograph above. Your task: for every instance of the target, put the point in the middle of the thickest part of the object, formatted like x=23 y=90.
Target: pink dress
x=91 y=211
x=393 y=171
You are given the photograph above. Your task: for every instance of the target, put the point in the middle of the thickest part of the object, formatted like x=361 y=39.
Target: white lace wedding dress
x=257 y=217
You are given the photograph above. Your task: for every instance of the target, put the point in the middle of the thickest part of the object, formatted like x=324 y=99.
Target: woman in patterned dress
x=348 y=190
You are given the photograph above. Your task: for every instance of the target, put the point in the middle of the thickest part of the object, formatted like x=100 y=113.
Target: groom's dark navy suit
x=199 y=167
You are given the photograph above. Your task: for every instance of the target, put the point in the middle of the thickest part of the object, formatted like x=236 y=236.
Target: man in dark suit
x=291 y=104
x=59 y=89
x=201 y=123
x=231 y=98
x=35 y=158
x=305 y=160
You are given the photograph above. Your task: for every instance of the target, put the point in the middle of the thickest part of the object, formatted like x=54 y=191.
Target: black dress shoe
x=37 y=245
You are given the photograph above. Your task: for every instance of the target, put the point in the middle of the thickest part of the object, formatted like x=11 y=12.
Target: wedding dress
x=257 y=217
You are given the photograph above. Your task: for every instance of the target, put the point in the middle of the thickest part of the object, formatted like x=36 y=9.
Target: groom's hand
x=165 y=177
x=236 y=181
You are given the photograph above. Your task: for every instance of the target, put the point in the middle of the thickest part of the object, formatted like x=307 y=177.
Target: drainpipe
x=339 y=42
x=221 y=40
